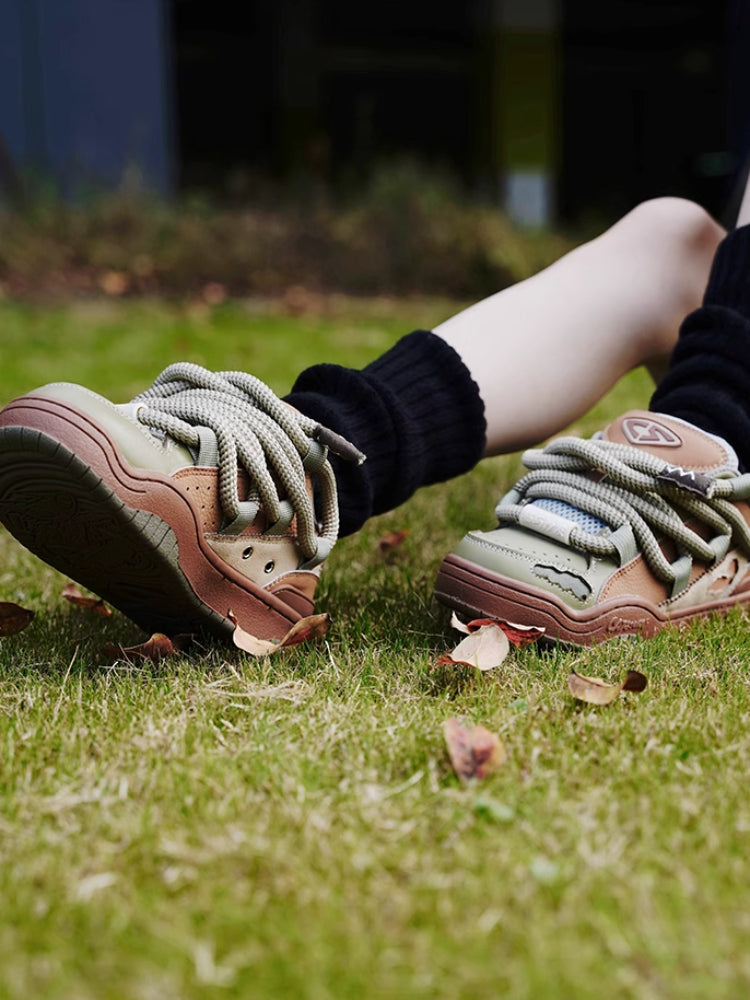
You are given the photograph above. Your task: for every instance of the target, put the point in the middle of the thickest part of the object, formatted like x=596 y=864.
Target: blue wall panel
x=84 y=89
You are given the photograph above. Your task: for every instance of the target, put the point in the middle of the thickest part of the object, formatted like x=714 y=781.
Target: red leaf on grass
x=521 y=635
x=518 y=635
x=94 y=604
x=157 y=648
x=475 y=752
x=391 y=540
x=310 y=627
x=13 y=618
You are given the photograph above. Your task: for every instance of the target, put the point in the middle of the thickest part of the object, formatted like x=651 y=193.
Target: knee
x=685 y=227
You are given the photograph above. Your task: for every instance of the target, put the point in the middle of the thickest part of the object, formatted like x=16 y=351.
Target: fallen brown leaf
x=475 y=752
x=518 y=635
x=392 y=540
x=94 y=604
x=521 y=635
x=484 y=649
x=634 y=681
x=13 y=618
x=157 y=648
x=310 y=627
x=595 y=691
x=214 y=293
x=114 y=283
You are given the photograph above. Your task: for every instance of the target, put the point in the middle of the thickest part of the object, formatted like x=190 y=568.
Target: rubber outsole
x=129 y=536
x=475 y=591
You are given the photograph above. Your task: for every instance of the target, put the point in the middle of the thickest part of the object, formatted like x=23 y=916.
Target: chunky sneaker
x=190 y=502
x=645 y=524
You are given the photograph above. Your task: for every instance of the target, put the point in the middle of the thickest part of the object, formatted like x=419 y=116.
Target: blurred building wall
x=85 y=91
x=552 y=107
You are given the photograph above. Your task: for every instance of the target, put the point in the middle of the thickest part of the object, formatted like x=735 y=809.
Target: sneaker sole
x=126 y=534
x=479 y=593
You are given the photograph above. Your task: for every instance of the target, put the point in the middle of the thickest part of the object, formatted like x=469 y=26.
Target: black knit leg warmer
x=415 y=412
x=708 y=382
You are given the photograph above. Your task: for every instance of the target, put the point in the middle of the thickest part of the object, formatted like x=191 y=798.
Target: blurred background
x=560 y=114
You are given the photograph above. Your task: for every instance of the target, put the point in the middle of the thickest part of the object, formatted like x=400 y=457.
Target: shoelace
x=234 y=421
x=638 y=496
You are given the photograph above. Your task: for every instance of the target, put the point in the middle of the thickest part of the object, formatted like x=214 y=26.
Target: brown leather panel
x=635 y=578
x=696 y=450
x=201 y=486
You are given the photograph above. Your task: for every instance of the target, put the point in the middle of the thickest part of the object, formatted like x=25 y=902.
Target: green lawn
x=219 y=826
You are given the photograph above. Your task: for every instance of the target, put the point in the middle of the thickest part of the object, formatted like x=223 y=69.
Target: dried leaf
x=214 y=293
x=521 y=635
x=518 y=635
x=599 y=692
x=155 y=649
x=391 y=540
x=592 y=689
x=475 y=752
x=489 y=751
x=299 y=299
x=13 y=618
x=114 y=283
x=250 y=643
x=458 y=625
x=634 y=681
x=94 y=604
x=484 y=649
x=310 y=627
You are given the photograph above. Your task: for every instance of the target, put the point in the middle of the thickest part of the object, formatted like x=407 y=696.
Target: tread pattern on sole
x=44 y=487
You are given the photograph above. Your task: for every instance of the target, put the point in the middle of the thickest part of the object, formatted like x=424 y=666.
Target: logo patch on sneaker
x=626 y=624
x=641 y=430
x=686 y=479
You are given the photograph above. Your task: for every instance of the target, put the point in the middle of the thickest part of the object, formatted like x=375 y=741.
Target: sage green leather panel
x=136 y=443
x=538 y=561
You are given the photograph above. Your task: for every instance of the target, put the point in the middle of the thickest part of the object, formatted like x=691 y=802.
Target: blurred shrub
x=406 y=231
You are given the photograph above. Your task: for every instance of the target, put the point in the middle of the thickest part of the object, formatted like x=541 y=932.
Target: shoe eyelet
x=268 y=568
x=247 y=552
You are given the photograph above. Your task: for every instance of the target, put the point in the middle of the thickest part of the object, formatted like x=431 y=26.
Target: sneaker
x=190 y=502
x=644 y=525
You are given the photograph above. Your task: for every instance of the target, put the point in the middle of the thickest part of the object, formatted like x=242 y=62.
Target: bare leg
x=743 y=217
x=545 y=350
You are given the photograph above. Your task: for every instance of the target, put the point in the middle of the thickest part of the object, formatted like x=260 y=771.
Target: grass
x=219 y=826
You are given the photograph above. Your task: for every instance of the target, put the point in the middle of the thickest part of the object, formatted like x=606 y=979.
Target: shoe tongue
x=686 y=451
x=676 y=441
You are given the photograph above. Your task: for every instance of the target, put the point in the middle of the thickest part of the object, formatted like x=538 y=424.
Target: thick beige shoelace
x=627 y=488
x=234 y=421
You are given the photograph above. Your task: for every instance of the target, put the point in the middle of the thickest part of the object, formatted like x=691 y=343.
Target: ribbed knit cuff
x=708 y=381
x=729 y=281
x=436 y=403
x=415 y=412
